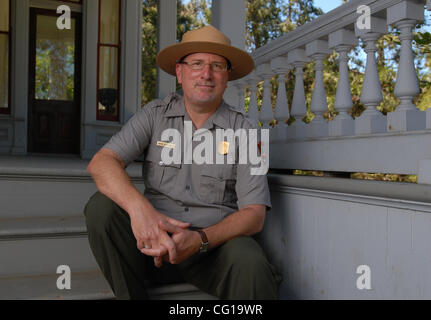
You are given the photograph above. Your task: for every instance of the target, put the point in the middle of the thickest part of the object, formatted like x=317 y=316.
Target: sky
x=327 y=5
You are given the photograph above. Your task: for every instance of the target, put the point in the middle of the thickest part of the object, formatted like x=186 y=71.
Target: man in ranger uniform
x=194 y=222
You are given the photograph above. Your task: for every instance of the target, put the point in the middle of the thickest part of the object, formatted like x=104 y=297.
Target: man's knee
x=99 y=213
x=246 y=262
x=245 y=253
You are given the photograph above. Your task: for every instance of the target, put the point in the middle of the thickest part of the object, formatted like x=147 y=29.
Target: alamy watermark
x=364 y=280
x=64 y=281
x=364 y=20
x=253 y=147
x=64 y=21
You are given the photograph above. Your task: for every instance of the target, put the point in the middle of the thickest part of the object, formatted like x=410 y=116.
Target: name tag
x=166 y=145
x=223 y=148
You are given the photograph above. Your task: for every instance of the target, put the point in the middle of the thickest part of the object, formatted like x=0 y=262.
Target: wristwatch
x=205 y=243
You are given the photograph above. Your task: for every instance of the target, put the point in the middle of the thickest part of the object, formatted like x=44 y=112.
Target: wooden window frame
x=99 y=116
x=9 y=34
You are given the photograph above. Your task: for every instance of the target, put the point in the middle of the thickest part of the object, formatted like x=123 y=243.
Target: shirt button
x=188 y=188
x=186 y=209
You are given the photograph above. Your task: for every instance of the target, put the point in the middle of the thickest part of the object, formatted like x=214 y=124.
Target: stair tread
x=53 y=166
x=21 y=227
x=84 y=286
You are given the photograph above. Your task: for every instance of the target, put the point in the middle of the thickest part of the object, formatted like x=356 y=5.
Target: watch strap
x=205 y=242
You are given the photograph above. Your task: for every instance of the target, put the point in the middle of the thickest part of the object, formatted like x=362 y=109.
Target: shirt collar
x=177 y=107
x=219 y=117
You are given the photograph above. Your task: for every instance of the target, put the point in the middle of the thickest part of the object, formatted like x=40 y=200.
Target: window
x=109 y=50
x=5 y=50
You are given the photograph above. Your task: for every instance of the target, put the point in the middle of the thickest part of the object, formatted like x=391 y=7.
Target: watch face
x=204 y=247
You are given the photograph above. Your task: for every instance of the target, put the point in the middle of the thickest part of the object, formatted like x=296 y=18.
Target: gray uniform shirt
x=201 y=194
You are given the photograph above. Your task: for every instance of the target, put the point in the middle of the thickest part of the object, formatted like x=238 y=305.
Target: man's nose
x=207 y=71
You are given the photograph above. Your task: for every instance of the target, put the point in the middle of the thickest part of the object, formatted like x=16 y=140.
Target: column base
x=297 y=130
x=318 y=129
x=371 y=123
x=343 y=125
x=279 y=133
x=406 y=120
x=424 y=175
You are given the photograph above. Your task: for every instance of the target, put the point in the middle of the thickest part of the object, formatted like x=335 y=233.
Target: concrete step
x=48 y=187
x=39 y=245
x=86 y=286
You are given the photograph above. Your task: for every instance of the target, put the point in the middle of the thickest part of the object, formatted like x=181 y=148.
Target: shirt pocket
x=152 y=174
x=217 y=184
x=159 y=176
x=170 y=173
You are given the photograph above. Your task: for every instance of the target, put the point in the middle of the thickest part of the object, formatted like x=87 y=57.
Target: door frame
x=32 y=72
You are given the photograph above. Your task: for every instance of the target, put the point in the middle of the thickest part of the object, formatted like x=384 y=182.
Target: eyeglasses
x=200 y=65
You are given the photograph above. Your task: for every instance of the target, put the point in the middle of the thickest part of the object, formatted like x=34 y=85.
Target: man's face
x=204 y=86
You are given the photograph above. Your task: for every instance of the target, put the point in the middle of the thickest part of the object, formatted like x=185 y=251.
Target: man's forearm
x=113 y=181
x=245 y=222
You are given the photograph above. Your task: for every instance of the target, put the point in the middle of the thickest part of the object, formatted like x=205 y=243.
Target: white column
x=266 y=112
x=405 y=16
x=253 y=113
x=230 y=18
x=280 y=66
x=342 y=41
x=132 y=61
x=298 y=59
x=318 y=51
x=371 y=120
x=20 y=69
x=167 y=35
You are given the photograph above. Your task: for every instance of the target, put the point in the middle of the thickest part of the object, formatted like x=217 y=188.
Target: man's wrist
x=204 y=243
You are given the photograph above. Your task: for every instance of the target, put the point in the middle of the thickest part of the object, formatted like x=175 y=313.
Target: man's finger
x=158 y=262
x=168 y=227
x=158 y=252
x=169 y=244
x=183 y=225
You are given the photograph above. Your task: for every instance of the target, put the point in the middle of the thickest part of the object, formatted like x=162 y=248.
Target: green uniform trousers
x=237 y=269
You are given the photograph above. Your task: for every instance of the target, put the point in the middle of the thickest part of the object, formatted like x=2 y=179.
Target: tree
x=192 y=15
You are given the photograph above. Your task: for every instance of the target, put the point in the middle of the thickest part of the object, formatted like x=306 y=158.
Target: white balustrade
x=240 y=86
x=405 y=15
x=371 y=120
x=280 y=66
x=318 y=51
x=343 y=125
x=370 y=143
x=253 y=113
x=297 y=129
x=266 y=112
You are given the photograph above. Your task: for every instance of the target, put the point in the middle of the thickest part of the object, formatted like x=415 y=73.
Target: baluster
x=405 y=16
x=280 y=67
x=266 y=112
x=371 y=120
x=298 y=59
x=318 y=51
x=253 y=113
x=240 y=86
x=342 y=41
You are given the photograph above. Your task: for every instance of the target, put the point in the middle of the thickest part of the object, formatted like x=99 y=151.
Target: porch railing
x=399 y=142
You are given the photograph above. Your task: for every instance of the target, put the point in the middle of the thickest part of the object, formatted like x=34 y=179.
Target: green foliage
x=194 y=14
x=270 y=19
